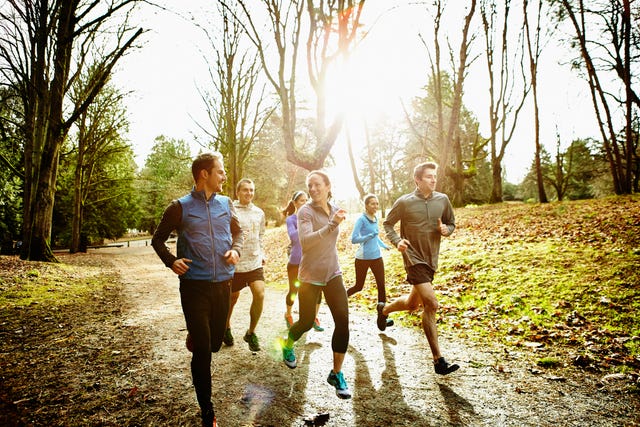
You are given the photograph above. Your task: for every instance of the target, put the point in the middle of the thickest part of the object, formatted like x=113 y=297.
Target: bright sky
x=393 y=66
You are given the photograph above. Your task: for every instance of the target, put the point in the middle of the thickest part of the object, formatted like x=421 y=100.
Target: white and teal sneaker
x=337 y=380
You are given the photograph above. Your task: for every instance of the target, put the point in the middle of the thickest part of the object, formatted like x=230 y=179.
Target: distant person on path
x=298 y=199
x=425 y=216
x=318 y=229
x=249 y=271
x=368 y=256
x=208 y=247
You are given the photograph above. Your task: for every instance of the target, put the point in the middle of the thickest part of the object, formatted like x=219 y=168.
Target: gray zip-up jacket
x=418 y=218
x=318 y=236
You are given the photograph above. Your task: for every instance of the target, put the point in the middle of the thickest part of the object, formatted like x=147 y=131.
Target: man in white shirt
x=249 y=270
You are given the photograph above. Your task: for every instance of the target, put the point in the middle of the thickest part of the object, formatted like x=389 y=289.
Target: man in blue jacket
x=208 y=247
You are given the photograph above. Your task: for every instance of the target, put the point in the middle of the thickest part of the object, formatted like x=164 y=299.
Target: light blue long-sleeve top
x=365 y=232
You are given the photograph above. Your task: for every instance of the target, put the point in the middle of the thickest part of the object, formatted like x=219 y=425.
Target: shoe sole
x=449 y=370
x=341 y=396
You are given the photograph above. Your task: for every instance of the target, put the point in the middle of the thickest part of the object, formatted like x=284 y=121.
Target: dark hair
x=324 y=176
x=291 y=207
x=368 y=197
x=419 y=169
x=205 y=161
x=243 y=181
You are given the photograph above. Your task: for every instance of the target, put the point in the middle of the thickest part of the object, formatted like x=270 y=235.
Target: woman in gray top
x=319 y=272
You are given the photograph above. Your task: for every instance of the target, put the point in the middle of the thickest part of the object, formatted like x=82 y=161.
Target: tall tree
x=166 y=174
x=235 y=104
x=332 y=28
x=100 y=134
x=448 y=148
x=504 y=104
x=424 y=140
x=534 y=49
x=11 y=174
x=609 y=44
x=110 y=199
x=37 y=45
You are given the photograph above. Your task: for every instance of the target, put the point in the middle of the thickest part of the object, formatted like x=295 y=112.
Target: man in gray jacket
x=208 y=248
x=425 y=216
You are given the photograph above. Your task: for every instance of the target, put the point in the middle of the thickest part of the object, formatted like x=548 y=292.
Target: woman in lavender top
x=295 y=254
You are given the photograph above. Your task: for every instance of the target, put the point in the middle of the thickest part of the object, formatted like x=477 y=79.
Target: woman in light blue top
x=368 y=256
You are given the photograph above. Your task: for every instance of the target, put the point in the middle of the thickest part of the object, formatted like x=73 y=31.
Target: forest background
x=289 y=81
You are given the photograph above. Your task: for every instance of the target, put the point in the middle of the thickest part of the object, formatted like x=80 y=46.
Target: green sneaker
x=252 y=340
x=227 y=338
x=337 y=380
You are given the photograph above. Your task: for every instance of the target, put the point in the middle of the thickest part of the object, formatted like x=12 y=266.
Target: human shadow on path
x=459 y=410
x=385 y=406
x=276 y=401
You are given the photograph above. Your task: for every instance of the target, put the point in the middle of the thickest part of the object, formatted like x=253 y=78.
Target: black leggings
x=377 y=268
x=292 y=274
x=205 y=306
x=336 y=298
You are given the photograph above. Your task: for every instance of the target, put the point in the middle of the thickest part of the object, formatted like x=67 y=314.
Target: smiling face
x=214 y=178
x=426 y=181
x=301 y=200
x=245 y=192
x=319 y=187
x=371 y=206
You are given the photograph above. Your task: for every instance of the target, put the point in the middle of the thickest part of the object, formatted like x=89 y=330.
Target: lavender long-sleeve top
x=292 y=230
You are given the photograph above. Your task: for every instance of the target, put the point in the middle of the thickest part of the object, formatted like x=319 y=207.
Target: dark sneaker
x=189 y=342
x=288 y=356
x=389 y=322
x=382 y=319
x=316 y=325
x=227 y=339
x=289 y=319
x=252 y=340
x=442 y=367
x=209 y=417
x=337 y=380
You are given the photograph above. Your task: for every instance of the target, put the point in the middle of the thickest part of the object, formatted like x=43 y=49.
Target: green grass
x=564 y=276
x=49 y=285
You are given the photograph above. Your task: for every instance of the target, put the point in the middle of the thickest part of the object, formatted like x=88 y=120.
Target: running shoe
x=316 y=325
x=252 y=340
x=382 y=319
x=227 y=338
x=209 y=417
x=443 y=367
x=288 y=355
x=337 y=380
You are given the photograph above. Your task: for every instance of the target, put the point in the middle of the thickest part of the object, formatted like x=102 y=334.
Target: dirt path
x=392 y=382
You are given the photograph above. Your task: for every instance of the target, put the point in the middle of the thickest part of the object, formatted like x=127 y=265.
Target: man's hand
x=232 y=257
x=403 y=245
x=444 y=229
x=180 y=266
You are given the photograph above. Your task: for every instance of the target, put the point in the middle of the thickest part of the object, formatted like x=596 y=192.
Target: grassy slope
x=563 y=277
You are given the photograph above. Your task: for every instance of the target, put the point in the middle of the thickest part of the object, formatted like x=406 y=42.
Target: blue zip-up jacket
x=207 y=229
x=365 y=232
